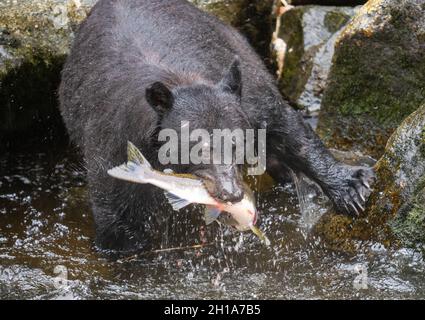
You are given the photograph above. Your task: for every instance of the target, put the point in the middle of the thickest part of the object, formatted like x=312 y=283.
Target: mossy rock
x=377 y=77
x=328 y=2
x=395 y=213
x=252 y=17
x=309 y=33
x=409 y=226
x=402 y=172
x=34 y=39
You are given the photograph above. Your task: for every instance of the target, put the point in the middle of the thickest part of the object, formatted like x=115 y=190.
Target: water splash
x=307 y=192
x=48 y=223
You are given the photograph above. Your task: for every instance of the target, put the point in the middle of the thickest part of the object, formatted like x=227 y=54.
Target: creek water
x=47 y=249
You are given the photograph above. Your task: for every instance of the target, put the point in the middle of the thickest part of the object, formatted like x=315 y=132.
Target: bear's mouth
x=255 y=213
x=222 y=189
x=209 y=185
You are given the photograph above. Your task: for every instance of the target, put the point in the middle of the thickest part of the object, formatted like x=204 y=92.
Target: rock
x=34 y=39
x=409 y=226
x=304 y=47
x=327 y=2
x=396 y=209
x=401 y=173
x=377 y=77
x=252 y=17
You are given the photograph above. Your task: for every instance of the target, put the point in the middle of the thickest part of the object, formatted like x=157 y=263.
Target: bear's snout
x=223 y=183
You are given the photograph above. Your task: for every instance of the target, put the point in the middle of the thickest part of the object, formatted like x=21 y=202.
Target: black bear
x=138 y=66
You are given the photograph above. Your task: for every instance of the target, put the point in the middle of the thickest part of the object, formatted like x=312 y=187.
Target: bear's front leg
x=125 y=214
x=297 y=146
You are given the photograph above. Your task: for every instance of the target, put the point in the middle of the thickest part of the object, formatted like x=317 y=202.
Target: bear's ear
x=159 y=97
x=232 y=81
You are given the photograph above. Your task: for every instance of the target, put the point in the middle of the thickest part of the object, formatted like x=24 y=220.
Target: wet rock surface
x=377 y=75
x=402 y=176
x=395 y=213
x=304 y=47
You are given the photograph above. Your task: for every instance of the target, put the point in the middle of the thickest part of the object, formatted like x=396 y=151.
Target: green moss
x=372 y=87
x=226 y=10
x=295 y=73
x=335 y=20
x=420 y=187
x=395 y=212
x=378 y=75
x=422 y=141
x=410 y=226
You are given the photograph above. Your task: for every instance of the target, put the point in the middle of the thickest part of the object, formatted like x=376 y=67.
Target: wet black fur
x=125 y=56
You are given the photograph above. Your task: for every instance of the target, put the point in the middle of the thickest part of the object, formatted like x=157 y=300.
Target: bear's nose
x=229 y=191
x=222 y=187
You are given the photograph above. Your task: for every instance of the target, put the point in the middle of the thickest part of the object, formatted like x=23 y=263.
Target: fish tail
x=126 y=172
x=134 y=155
x=260 y=235
x=135 y=170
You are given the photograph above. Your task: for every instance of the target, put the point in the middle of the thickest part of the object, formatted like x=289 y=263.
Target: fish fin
x=126 y=172
x=134 y=155
x=135 y=170
x=176 y=202
x=260 y=235
x=211 y=215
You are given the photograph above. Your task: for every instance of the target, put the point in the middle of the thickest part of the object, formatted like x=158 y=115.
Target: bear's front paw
x=350 y=195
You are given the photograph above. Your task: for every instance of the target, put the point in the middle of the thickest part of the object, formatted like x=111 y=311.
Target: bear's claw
x=350 y=197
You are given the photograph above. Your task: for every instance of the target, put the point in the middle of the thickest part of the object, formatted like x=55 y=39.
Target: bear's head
x=212 y=108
